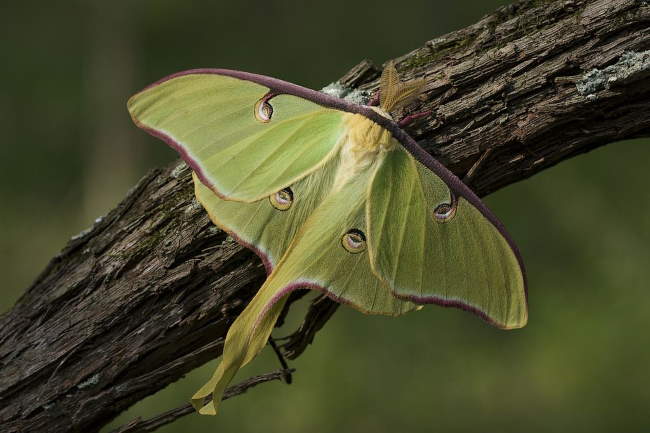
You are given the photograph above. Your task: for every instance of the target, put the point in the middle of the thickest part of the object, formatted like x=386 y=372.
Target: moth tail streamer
x=246 y=337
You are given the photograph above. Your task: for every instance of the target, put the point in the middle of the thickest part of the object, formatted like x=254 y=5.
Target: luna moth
x=333 y=196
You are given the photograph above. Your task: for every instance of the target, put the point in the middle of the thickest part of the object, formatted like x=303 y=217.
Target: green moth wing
x=265 y=226
x=312 y=226
x=222 y=127
x=334 y=197
x=432 y=246
x=333 y=238
x=343 y=273
x=246 y=337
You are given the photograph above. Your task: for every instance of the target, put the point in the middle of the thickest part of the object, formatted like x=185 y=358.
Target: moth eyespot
x=444 y=212
x=354 y=241
x=263 y=110
x=282 y=200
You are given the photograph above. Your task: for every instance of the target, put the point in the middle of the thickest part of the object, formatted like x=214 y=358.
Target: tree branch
x=141 y=426
x=147 y=294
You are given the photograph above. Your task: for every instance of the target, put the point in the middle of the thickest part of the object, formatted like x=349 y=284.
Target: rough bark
x=147 y=294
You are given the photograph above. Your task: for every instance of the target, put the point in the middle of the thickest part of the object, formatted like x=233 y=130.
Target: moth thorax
x=362 y=146
x=367 y=136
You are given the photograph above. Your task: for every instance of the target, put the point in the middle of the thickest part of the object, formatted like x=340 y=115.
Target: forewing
x=210 y=119
x=464 y=261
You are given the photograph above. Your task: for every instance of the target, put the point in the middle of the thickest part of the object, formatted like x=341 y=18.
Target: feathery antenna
x=395 y=93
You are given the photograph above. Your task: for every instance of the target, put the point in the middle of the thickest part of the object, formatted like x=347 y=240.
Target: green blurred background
x=69 y=152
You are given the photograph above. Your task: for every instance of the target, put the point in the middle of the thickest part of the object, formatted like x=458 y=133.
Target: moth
x=332 y=196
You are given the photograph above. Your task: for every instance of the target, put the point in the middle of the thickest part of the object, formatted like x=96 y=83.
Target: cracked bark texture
x=147 y=294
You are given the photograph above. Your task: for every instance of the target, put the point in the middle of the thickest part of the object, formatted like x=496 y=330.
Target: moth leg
x=296 y=295
x=469 y=176
x=406 y=121
x=283 y=362
x=320 y=311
